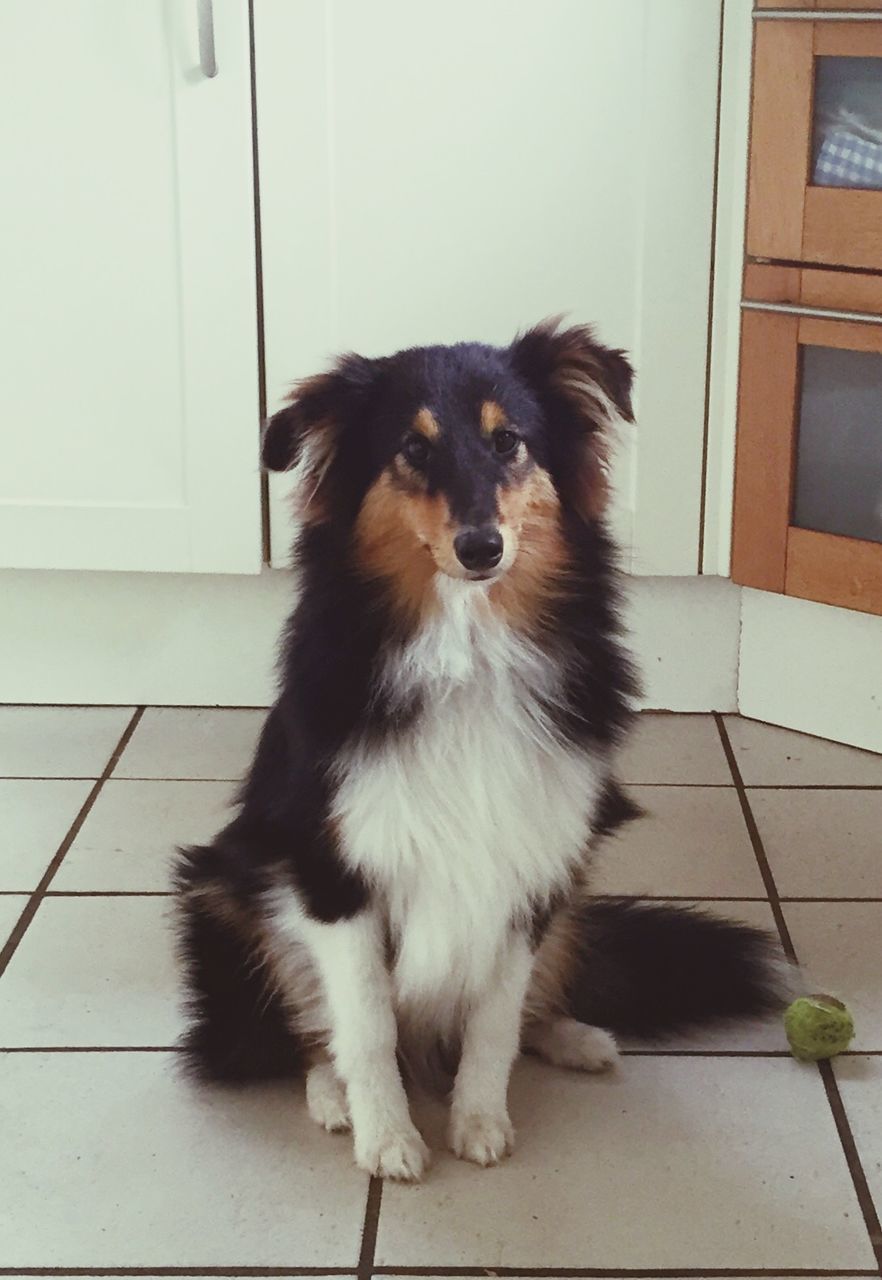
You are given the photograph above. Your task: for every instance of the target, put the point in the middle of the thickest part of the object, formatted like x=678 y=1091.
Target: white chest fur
x=465 y=821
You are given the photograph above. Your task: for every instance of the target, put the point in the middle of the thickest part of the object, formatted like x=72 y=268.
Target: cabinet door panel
x=129 y=394
x=434 y=173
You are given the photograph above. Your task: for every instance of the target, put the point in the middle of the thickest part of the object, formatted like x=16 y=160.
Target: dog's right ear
x=318 y=406
x=306 y=433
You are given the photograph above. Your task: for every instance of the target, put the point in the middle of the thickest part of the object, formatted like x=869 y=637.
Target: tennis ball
x=818 y=1027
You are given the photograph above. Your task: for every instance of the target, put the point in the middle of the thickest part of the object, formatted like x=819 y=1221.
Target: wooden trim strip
x=841 y=227
x=856 y=293
x=779 y=140
x=845 y=335
x=764 y=449
x=851 y=39
x=833 y=570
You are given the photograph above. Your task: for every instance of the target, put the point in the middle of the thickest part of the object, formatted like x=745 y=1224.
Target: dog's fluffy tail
x=650 y=969
x=237 y=1028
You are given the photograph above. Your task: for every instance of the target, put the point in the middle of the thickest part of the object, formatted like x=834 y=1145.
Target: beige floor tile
x=11 y=907
x=667 y=1163
x=752 y=1035
x=670 y=748
x=771 y=757
x=112 y=1160
x=822 y=844
x=693 y=841
x=35 y=816
x=59 y=742
x=675 y=749
x=92 y=971
x=128 y=839
x=839 y=949
x=860 y=1084
x=204 y=743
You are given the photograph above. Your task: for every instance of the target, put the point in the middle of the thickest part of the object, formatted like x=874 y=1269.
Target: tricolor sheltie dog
x=405 y=890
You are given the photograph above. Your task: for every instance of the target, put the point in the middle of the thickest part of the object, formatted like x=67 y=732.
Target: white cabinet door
x=440 y=171
x=128 y=395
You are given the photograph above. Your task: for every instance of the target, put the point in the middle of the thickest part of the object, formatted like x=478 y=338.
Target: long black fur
x=651 y=970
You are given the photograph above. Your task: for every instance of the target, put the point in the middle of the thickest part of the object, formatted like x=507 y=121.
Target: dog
x=404 y=891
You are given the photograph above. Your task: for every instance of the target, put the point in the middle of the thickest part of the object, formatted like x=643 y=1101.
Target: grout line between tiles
x=644 y=897
x=628 y=1053
x=756 y=841
x=370 y=1228
x=631 y=782
x=601 y=1273
x=852 y=1157
x=91 y=1048
x=153 y=706
x=831 y=1088
x=617 y=1273
x=109 y=893
x=187 y=1271
x=30 y=909
x=55 y=777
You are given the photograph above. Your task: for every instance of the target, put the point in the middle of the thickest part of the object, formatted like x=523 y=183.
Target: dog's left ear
x=584 y=388
x=307 y=431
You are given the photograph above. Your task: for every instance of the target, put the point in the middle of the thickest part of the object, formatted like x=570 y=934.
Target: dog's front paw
x=484 y=1139
x=326 y=1099
x=396 y=1153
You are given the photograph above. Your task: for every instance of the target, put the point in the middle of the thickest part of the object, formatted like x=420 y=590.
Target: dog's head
x=459 y=459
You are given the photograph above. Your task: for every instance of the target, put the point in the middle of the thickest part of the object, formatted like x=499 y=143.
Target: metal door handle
x=205 y=19
x=815 y=313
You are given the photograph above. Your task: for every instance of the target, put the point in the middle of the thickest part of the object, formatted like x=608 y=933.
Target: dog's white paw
x=484 y=1139
x=399 y=1154
x=326 y=1099
x=568 y=1043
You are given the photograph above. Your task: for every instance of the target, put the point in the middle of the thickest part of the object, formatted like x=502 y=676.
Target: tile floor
x=717 y=1154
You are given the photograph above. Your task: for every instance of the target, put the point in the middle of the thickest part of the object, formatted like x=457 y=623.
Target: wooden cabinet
x=129 y=391
x=430 y=173
x=809 y=457
x=815 y=190
x=808 y=489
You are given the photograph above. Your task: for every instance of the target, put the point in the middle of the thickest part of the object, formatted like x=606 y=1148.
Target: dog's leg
x=326 y=1096
x=480 y=1129
x=567 y=1043
x=350 y=958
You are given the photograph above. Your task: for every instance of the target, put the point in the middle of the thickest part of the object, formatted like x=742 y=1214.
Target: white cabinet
x=128 y=395
x=434 y=172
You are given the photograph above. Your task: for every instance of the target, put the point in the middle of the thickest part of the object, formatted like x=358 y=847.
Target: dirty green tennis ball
x=818 y=1027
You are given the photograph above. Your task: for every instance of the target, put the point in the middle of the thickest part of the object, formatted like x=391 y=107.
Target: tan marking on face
x=535 y=550
x=403 y=536
x=426 y=424
x=492 y=417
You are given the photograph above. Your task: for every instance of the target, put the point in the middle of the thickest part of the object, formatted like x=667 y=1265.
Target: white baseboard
x=812 y=667
x=208 y=640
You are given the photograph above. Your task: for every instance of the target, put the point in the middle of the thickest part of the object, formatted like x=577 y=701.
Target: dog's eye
x=504 y=441
x=416 y=449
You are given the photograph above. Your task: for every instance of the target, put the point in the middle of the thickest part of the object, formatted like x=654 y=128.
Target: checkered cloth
x=845 y=160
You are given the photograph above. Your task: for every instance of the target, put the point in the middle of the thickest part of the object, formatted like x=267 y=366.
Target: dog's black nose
x=479 y=548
